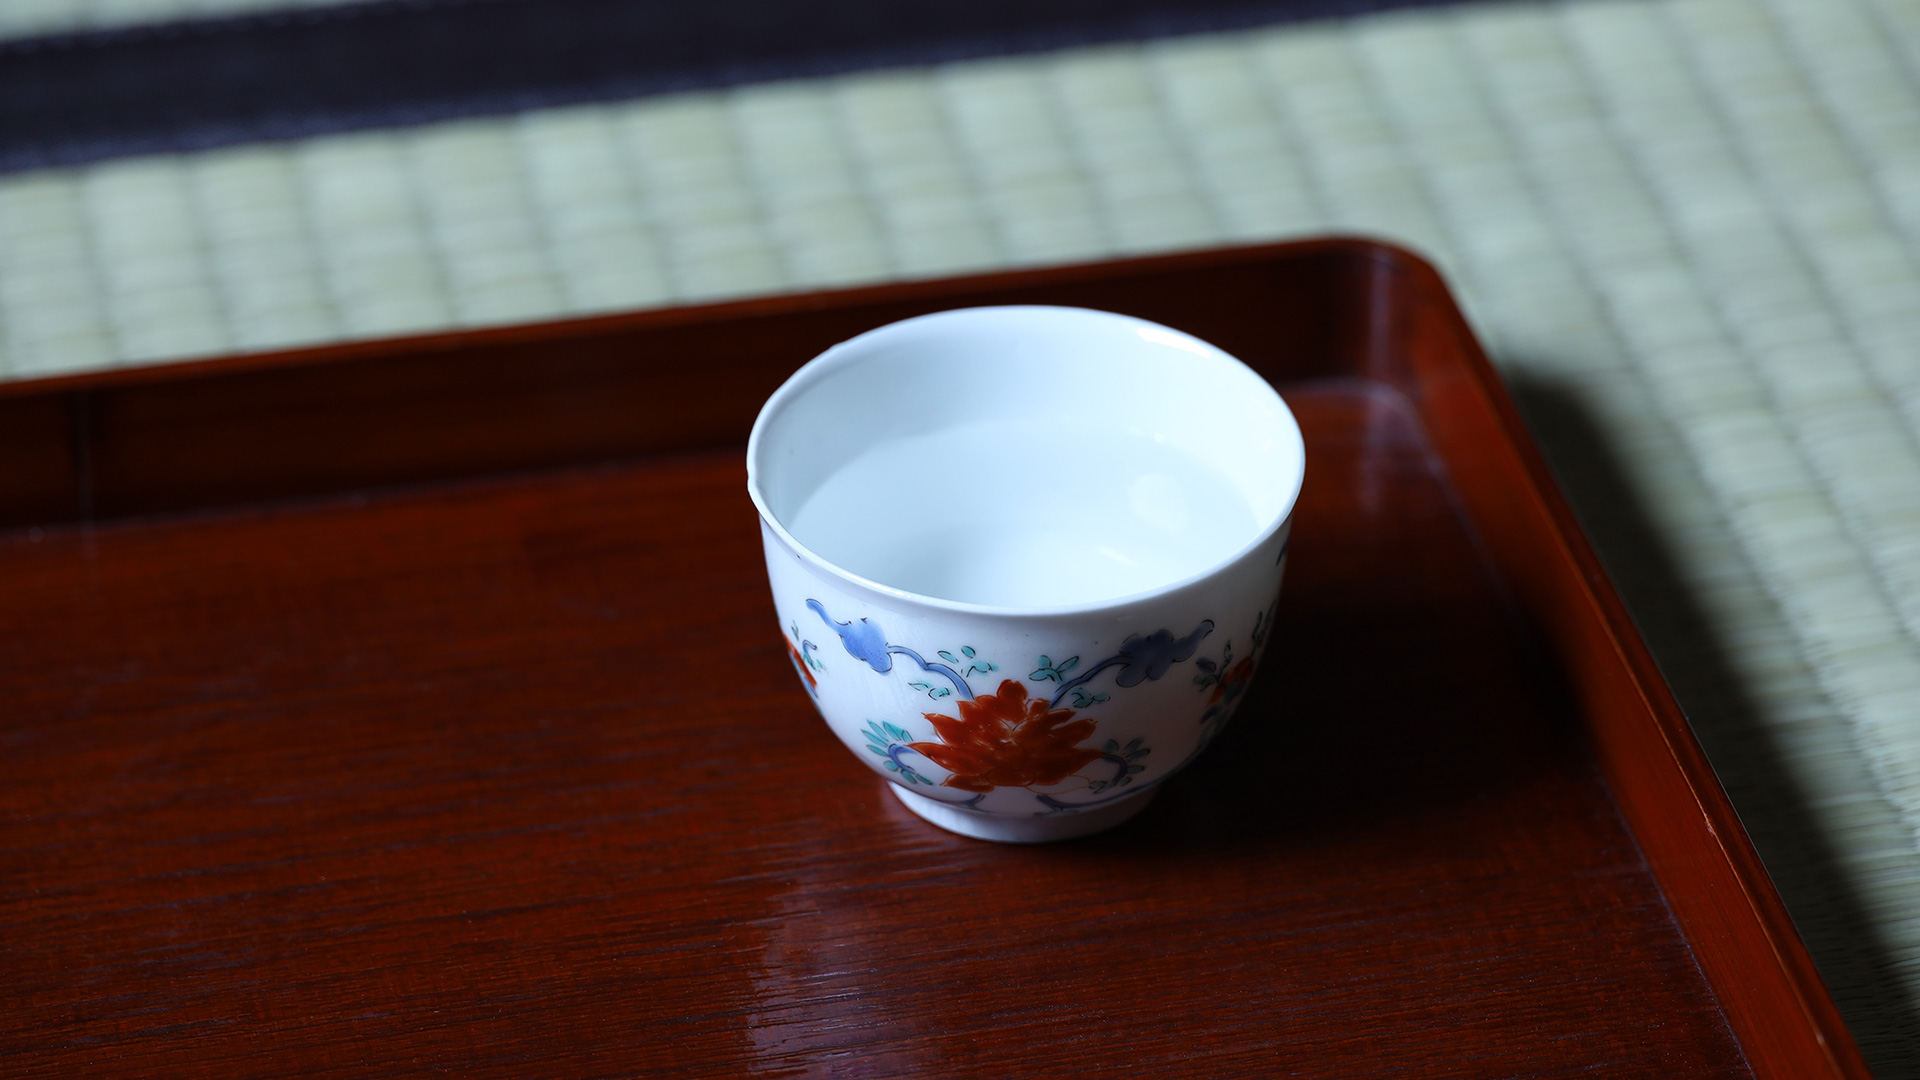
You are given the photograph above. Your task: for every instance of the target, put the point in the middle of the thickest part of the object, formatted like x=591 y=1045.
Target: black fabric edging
x=195 y=85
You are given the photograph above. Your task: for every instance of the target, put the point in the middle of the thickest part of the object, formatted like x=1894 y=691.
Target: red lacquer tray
x=418 y=706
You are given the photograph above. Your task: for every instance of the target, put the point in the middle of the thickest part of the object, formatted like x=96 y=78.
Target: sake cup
x=1025 y=558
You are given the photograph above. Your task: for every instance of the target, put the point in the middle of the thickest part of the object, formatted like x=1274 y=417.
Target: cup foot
x=1037 y=829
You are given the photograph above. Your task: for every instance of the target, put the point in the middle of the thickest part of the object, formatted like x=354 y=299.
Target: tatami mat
x=1689 y=231
x=32 y=18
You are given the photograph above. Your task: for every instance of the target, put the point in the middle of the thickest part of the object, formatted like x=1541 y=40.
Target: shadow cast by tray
x=1848 y=946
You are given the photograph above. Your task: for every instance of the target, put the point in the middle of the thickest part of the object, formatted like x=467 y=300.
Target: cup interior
x=1025 y=458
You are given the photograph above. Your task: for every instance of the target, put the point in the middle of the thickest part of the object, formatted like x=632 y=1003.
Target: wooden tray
x=418 y=705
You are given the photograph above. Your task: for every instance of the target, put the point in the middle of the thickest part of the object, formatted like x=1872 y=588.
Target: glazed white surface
x=1026 y=512
x=1024 y=458
x=1025 y=557
x=1173 y=716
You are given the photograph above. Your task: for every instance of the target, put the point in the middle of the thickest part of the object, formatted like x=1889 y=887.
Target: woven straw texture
x=1689 y=231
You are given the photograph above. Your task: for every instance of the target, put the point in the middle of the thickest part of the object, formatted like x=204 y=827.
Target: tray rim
x=547 y=331
x=1819 y=1044
x=1716 y=888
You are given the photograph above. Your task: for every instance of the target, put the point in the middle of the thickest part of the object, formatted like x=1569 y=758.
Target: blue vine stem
x=865 y=641
x=1146 y=657
x=1120 y=769
x=1090 y=673
x=1055 y=804
x=935 y=668
x=893 y=755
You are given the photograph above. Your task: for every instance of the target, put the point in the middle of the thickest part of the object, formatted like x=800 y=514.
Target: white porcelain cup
x=1025 y=557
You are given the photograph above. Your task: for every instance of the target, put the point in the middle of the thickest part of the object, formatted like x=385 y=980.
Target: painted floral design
x=1228 y=684
x=887 y=741
x=804 y=662
x=866 y=642
x=1008 y=739
x=1125 y=757
x=800 y=665
x=1142 y=658
x=1228 y=678
x=1012 y=738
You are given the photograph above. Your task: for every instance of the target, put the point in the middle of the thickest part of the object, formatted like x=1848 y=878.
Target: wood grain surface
x=508 y=775
x=517 y=779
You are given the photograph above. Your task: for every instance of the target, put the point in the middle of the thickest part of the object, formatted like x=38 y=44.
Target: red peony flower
x=1007 y=739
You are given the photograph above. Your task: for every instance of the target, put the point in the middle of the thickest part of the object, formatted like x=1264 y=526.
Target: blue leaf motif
x=1146 y=657
x=864 y=640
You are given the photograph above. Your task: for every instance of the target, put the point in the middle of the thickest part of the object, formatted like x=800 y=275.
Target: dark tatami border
x=195 y=85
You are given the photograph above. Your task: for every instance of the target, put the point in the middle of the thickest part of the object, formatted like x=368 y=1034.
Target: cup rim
x=846 y=352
